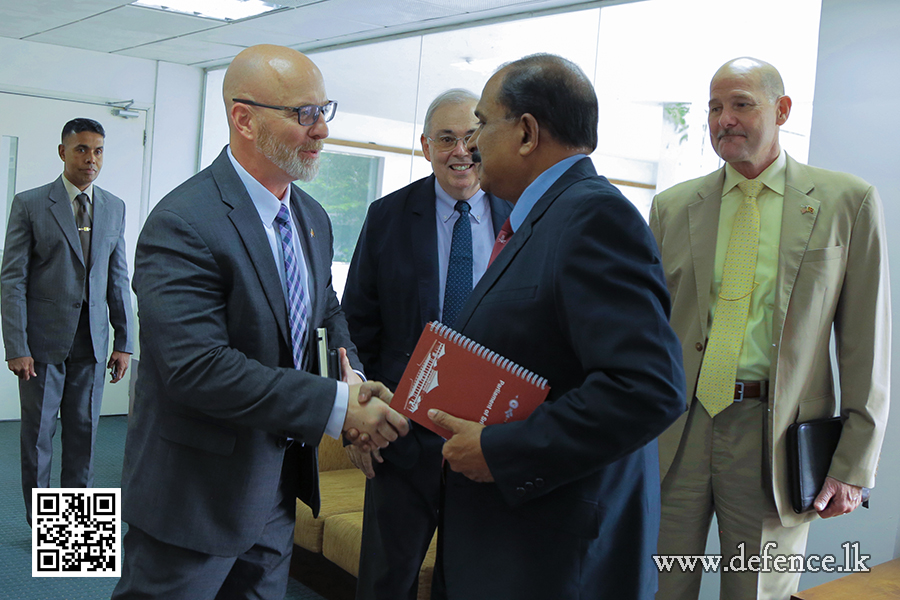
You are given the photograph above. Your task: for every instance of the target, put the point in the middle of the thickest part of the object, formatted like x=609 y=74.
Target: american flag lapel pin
x=806 y=208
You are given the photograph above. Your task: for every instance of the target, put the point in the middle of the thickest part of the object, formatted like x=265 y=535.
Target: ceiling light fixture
x=223 y=10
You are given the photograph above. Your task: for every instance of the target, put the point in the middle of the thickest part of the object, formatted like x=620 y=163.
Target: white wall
x=169 y=94
x=854 y=128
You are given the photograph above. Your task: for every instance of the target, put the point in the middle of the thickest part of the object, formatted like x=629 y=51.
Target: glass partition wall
x=650 y=62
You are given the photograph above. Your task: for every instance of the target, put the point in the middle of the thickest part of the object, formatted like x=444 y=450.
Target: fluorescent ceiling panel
x=122 y=28
x=223 y=10
x=183 y=51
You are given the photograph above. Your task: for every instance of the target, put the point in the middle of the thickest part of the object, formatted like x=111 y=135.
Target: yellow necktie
x=715 y=388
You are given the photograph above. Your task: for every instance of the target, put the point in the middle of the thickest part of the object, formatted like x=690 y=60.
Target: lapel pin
x=311 y=232
x=806 y=208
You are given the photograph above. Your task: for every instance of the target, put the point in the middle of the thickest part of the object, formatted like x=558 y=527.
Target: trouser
x=153 y=569
x=720 y=467
x=401 y=514
x=73 y=390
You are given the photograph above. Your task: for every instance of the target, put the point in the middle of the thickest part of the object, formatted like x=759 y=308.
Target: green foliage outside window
x=345 y=186
x=675 y=114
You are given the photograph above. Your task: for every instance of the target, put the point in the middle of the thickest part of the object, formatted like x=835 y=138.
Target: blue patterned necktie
x=296 y=298
x=459 y=267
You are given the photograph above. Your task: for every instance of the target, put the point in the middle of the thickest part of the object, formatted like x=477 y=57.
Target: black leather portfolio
x=810 y=448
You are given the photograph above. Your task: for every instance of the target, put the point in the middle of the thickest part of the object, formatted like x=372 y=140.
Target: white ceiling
x=117 y=27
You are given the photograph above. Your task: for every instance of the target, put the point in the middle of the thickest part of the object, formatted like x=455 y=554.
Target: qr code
x=75 y=532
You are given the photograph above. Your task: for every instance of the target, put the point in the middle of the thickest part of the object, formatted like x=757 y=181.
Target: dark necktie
x=502 y=237
x=459 y=267
x=83 y=223
x=297 y=315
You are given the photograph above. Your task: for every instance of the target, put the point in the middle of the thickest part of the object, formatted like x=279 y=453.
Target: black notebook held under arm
x=810 y=448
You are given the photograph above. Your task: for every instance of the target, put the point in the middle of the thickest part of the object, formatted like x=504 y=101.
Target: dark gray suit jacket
x=42 y=280
x=217 y=392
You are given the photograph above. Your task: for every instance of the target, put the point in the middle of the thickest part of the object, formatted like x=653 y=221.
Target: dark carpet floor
x=16 y=582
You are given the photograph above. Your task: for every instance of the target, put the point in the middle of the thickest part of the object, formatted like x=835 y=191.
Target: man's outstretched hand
x=369 y=415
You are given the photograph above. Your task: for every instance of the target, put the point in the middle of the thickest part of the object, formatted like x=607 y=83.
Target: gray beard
x=286 y=158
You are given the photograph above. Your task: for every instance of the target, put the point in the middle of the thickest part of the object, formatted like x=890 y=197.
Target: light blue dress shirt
x=538 y=188
x=267 y=205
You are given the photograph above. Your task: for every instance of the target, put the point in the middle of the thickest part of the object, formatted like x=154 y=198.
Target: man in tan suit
x=821 y=262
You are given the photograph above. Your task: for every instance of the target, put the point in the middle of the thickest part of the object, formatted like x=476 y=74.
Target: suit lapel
x=61 y=209
x=422 y=222
x=580 y=170
x=101 y=222
x=246 y=222
x=500 y=210
x=703 y=219
x=312 y=250
x=799 y=215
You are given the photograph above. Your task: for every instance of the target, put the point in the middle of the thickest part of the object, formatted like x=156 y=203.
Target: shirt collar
x=773 y=177
x=267 y=204
x=73 y=191
x=538 y=188
x=446 y=205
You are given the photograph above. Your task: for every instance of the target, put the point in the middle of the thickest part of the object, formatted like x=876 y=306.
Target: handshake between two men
x=370 y=423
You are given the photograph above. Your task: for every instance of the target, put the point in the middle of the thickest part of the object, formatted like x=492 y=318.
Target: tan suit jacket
x=833 y=270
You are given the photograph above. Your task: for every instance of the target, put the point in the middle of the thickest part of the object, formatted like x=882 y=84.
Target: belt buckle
x=739 y=389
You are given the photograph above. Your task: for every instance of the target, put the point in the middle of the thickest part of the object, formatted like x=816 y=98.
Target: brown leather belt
x=746 y=390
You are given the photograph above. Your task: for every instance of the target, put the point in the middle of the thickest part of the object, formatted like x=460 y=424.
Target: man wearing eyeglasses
x=421 y=250
x=232 y=273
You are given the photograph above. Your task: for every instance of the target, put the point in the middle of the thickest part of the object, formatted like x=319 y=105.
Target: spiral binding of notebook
x=470 y=345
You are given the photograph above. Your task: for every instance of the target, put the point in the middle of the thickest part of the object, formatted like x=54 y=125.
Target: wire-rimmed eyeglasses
x=443 y=143
x=307 y=114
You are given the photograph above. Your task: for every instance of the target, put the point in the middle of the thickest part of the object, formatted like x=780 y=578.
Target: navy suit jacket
x=393 y=288
x=393 y=282
x=578 y=296
x=217 y=393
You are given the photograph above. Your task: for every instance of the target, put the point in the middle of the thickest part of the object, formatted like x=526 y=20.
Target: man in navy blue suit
x=564 y=504
x=398 y=281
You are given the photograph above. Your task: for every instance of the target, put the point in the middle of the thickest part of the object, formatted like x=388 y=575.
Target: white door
x=35 y=124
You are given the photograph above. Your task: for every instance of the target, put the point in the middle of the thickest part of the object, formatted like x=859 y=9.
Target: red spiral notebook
x=455 y=374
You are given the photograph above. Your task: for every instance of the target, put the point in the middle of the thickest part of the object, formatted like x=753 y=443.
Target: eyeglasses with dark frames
x=443 y=143
x=307 y=115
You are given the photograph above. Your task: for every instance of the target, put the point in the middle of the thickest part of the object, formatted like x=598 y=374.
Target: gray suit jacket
x=832 y=271
x=42 y=280
x=217 y=393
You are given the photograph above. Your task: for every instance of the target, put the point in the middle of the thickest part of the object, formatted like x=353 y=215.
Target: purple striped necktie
x=296 y=297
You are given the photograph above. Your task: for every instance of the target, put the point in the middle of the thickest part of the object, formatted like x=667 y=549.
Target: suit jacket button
x=529 y=487
x=699 y=347
x=520 y=491
x=76 y=305
x=538 y=483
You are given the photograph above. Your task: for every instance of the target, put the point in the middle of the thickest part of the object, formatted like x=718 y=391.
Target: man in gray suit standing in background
x=64 y=281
